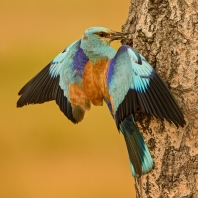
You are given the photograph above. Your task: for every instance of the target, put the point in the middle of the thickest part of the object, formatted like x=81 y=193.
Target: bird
x=91 y=72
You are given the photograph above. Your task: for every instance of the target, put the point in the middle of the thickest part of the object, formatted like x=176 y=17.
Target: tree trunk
x=165 y=32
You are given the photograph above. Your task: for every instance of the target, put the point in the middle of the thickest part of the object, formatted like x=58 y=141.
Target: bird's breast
x=95 y=81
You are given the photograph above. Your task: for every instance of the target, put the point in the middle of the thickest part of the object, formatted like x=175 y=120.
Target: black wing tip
x=175 y=116
x=22 y=90
x=64 y=105
x=182 y=123
x=18 y=105
x=58 y=96
x=20 y=93
x=65 y=110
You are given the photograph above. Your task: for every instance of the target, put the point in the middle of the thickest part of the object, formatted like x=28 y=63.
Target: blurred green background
x=42 y=154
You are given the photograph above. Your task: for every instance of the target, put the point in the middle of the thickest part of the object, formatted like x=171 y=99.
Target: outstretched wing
x=133 y=84
x=60 y=80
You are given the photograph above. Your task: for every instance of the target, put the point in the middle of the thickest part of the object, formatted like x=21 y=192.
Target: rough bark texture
x=165 y=32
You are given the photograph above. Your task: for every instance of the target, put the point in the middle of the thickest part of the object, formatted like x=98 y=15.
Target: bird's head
x=96 y=41
x=101 y=36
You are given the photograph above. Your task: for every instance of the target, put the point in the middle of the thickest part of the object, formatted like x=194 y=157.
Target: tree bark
x=165 y=32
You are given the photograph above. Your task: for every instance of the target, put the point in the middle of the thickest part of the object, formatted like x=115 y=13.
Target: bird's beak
x=118 y=36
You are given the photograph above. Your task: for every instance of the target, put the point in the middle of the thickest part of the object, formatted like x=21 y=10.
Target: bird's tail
x=139 y=155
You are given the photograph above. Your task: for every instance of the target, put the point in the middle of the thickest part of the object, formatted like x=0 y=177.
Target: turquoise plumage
x=91 y=71
x=140 y=158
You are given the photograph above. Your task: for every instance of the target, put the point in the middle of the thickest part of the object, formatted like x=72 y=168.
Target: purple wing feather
x=80 y=60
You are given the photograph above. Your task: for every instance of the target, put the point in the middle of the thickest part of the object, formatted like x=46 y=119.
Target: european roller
x=90 y=71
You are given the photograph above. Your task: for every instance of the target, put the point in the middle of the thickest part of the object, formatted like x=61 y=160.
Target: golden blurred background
x=42 y=154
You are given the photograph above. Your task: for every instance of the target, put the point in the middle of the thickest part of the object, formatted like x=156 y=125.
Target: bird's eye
x=102 y=34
